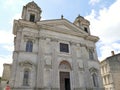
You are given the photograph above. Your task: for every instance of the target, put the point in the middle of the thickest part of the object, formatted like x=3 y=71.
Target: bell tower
x=81 y=22
x=31 y=12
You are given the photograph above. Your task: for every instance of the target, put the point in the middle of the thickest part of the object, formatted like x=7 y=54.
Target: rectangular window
x=64 y=47
x=86 y=30
x=29 y=46
x=32 y=17
x=91 y=55
x=26 y=78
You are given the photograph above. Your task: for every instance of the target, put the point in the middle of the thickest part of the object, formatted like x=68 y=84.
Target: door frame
x=67 y=75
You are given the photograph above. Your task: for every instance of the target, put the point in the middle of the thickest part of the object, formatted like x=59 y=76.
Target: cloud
x=92 y=2
x=106 y=24
x=16 y=16
x=9 y=47
x=5 y=43
x=107 y=48
x=4 y=37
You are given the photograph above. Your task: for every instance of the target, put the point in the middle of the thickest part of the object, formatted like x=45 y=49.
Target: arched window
x=95 y=80
x=94 y=76
x=26 y=77
x=91 y=54
x=29 y=46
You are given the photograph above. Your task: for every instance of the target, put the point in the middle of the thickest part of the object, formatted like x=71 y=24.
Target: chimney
x=112 y=52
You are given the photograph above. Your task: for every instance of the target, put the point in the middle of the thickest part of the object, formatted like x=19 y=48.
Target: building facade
x=110 y=70
x=53 y=54
x=6 y=72
x=4 y=81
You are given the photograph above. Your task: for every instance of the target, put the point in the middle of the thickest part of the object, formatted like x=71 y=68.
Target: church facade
x=53 y=54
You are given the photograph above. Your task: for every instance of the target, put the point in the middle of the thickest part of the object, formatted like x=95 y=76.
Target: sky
x=104 y=17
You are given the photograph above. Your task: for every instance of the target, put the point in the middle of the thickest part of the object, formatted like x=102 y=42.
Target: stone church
x=53 y=54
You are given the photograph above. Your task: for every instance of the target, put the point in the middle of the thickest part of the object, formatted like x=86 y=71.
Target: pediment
x=62 y=26
x=33 y=5
x=92 y=69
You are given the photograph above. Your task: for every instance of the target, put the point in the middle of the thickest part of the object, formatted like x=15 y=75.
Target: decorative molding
x=73 y=43
x=48 y=60
x=92 y=38
x=54 y=40
x=26 y=64
x=93 y=70
x=81 y=69
x=90 y=48
x=82 y=44
x=33 y=5
x=52 y=25
x=65 y=65
x=26 y=38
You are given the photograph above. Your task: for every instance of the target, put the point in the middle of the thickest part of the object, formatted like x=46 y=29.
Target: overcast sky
x=104 y=16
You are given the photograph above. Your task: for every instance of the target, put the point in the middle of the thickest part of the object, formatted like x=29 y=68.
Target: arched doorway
x=64 y=75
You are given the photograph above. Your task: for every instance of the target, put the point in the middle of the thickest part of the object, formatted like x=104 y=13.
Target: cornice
x=26 y=63
x=63 y=31
x=58 y=22
x=92 y=38
x=33 y=5
x=51 y=26
x=22 y=24
x=81 y=44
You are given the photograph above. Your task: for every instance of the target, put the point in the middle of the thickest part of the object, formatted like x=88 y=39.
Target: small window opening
x=32 y=17
x=91 y=56
x=95 y=80
x=26 y=78
x=29 y=46
x=85 y=29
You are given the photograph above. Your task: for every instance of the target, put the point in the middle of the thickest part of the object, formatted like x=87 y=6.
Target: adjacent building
x=110 y=70
x=4 y=81
x=53 y=54
x=6 y=71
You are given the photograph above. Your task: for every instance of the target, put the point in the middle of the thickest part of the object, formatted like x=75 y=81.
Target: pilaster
x=18 y=39
x=85 y=64
x=74 y=66
x=55 y=73
x=13 y=70
x=40 y=66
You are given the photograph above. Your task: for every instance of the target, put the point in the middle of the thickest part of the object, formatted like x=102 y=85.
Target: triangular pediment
x=62 y=26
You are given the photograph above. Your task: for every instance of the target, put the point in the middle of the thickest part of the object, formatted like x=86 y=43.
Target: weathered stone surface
x=110 y=71
x=46 y=59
